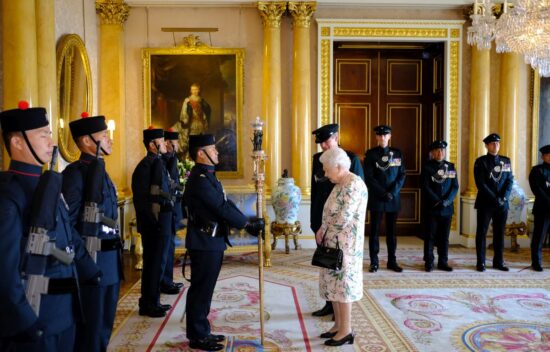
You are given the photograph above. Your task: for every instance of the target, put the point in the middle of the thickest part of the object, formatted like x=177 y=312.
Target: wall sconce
x=111 y=128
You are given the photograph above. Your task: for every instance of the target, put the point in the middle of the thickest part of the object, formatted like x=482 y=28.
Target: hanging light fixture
x=523 y=27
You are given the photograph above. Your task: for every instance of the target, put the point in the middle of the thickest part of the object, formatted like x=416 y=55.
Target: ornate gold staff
x=259 y=157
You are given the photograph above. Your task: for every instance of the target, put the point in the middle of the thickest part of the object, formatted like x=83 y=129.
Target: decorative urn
x=286 y=198
x=517 y=212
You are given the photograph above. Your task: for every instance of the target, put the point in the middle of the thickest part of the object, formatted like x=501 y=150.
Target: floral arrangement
x=184 y=168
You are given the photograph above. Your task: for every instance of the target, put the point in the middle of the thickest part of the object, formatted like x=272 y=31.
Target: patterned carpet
x=412 y=311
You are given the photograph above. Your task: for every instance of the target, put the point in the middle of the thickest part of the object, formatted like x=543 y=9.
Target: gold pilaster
x=271 y=13
x=302 y=12
x=19 y=55
x=479 y=111
x=509 y=105
x=113 y=14
x=46 y=66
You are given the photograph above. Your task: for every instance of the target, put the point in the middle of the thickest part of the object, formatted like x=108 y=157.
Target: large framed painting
x=541 y=114
x=197 y=89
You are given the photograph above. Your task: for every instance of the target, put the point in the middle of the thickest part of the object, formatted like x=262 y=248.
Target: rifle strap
x=184 y=265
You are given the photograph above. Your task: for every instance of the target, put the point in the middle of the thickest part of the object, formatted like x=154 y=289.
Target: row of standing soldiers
x=60 y=249
x=383 y=170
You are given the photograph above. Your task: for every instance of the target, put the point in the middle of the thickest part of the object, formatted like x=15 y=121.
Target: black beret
x=23 y=118
x=545 y=149
x=437 y=145
x=200 y=140
x=152 y=133
x=171 y=135
x=323 y=133
x=87 y=125
x=382 y=130
x=493 y=137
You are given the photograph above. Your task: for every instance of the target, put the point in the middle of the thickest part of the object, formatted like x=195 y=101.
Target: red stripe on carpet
x=302 y=325
x=157 y=334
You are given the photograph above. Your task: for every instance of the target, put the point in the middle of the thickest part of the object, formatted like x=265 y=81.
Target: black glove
x=32 y=334
x=387 y=196
x=254 y=226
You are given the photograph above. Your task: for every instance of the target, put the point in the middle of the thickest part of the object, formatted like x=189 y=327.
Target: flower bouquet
x=184 y=168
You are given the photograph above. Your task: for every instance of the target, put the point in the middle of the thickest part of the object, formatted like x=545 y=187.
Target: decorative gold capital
x=301 y=12
x=272 y=12
x=112 y=11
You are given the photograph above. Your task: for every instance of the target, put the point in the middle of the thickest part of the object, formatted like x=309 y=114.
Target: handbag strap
x=323 y=241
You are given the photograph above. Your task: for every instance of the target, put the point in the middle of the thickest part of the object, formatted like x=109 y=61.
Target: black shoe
x=394 y=267
x=169 y=290
x=205 y=344
x=178 y=284
x=373 y=268
x=444 y=267
x=154 y=312
x=480 y=267
x=347 y=339
x=216 y=338
x=428 y=267
x=537 y=267
x=501 y=267
x=326 y=310
x=165 y=307
x=328 y=335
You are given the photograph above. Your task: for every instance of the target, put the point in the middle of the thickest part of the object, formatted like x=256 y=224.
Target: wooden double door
x=398 y=84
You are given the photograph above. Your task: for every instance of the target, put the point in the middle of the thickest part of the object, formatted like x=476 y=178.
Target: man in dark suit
x=171 y=137
x=327 y=138
x=153 y=205
x=39 y=254
x=439 y=189
x=210 y=215
x=101 y=237
x=539 y=180
x=384 y=176
x=494 y=180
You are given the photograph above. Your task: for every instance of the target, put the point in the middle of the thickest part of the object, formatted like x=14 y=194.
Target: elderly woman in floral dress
x=343 y=223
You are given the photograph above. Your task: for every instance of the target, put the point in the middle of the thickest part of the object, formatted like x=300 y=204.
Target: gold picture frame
x=171 y=100
x=540 y=110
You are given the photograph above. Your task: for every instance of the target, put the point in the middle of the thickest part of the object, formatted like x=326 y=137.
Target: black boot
x=326 y=310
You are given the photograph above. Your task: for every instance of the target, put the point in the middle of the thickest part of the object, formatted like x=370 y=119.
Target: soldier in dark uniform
x=211 y=215
x=38 y=289
x=384 y=176
x=539 y=180
x=439 y=189
x=494 y=180
x=327 y=137
x=167 y=284
x=153 y=204
x=102 y=239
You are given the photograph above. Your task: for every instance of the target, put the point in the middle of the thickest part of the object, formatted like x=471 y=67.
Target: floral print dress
x=344 y=220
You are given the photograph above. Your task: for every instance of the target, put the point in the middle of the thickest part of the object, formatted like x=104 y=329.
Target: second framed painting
x=197 y=89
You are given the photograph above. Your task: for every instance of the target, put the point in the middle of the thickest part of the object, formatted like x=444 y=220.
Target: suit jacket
x=384 y=173
x=439 y=183
x=539 y=180
x=321 y=187
x=494 y=181
x=206 y=203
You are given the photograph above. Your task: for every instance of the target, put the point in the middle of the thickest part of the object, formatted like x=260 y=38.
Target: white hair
x=335 y=157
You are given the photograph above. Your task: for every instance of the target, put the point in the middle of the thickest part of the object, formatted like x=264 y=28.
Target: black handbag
x=327 y=257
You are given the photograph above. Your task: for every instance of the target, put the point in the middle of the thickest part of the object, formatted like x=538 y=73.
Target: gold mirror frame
x=74 y=88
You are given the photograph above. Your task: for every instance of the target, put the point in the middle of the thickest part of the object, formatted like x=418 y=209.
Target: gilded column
x=479 y=111
x=19 y=56
x=113 y=14
x=301 y=12
x=271 y=13
x=47 y=80
x=509 y=105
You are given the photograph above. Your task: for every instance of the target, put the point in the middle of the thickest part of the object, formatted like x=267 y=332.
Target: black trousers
x=205 y=268
x=391 y=240
x=484 y=217
x=436 y=231
x=168 y=272
x=542 y=223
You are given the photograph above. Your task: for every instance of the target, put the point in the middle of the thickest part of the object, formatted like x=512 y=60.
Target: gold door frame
x=447 y=31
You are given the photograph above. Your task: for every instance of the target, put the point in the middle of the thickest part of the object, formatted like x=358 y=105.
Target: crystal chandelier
x=523 y=28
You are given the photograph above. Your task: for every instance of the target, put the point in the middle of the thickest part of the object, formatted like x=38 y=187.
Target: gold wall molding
x=301 y=12
x=112 y=11
x=449 y=32
x=271 y=13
